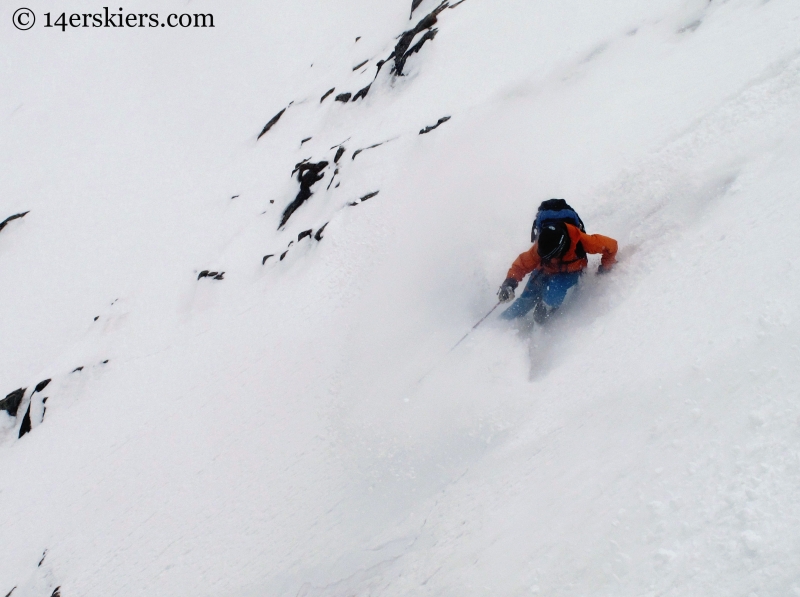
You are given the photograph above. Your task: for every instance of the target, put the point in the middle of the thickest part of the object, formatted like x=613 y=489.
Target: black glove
x=506 y=292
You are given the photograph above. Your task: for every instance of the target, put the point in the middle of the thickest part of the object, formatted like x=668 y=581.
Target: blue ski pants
x=548 y=288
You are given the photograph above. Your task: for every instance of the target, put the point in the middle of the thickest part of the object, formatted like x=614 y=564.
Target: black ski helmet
x=553 y=240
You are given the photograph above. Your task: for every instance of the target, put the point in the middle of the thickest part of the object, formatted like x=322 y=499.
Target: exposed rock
x=11 y=403
x=44 y=555
x=96 y=318
x=327 y=93
x=362 y=93
x=11 y=591
x=234 y=196
x=343 y=97
x=428 y=129
x=76 y=369
x=318 y=235
x=357 y=151
x=369 y=195
x=308 y=174
x=56 y=592
x=271 y=123
x=264 y=260
x=284 y=254
x=357 y=66
x=401 y=49
x=304 y=140
x=335 y=172
x=414 y=5
x=380 y=66
x=428 y=36
x=339 y=154
x=14 y=217
x=207 y=274
x=26 y=423
x=304 y=234
x=42 y=385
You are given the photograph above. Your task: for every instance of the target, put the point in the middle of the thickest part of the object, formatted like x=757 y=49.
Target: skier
x=556 y=259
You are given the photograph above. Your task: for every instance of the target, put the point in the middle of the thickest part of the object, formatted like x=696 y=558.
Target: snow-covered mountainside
x=246 y=252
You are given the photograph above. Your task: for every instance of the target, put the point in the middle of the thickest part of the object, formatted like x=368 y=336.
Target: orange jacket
x=574 y=260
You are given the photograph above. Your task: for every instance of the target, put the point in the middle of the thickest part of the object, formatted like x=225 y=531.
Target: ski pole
x=472 y=329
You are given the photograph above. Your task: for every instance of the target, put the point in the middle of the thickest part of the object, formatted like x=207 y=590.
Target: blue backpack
x=555 y=210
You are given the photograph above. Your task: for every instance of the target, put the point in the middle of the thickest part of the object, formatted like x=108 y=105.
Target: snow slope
x=267 y=433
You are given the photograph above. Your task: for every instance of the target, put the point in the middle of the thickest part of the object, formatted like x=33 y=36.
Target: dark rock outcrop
x=308 y=174
x=403 y=49
x=343 y=97
x=318 y=235
x=39 y=387
x=11 y=403
x=335 y=172
x=5 y=222
x=304 y=234
x=369 y=196
x=264 y=260
x=214 y=275
x=357 y=151
x=272 y=122
x=440 y=122
x=362 y=93
x=327 y=93
x=26 y=423
x=429 y=35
